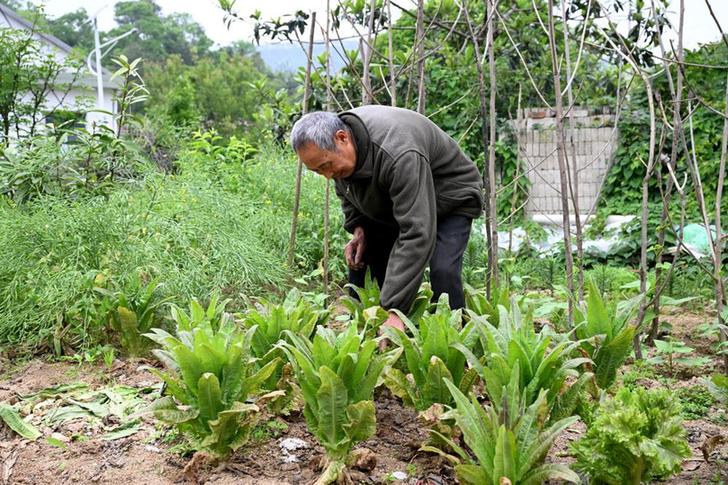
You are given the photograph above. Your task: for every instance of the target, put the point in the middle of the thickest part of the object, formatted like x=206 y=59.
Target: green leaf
x=122 y=431
x=231 y=428
x=13 y=420
x=550 y=472
x=165 y=409
x=210 y=396
x=611 y=355
x=436 y=390
x=398 y=385
x=332 y=399
x=362 y=421
x=471 y=475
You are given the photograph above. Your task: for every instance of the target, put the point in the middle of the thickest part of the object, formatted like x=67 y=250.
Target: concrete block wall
x=594 y=144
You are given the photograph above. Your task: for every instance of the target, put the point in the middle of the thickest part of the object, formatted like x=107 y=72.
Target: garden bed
x=81 y=451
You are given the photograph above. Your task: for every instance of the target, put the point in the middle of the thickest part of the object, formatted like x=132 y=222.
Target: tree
x=74 y=28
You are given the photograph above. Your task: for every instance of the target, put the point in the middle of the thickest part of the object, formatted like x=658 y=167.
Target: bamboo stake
x=574 y=175
x=327 y=202
x=676 y=95
x=420 y=42
x=560 y=155
x=299 y=173
x=392 y=76
x=366 y=79
x=492 y=212
x=485 y=134
x=718 y=251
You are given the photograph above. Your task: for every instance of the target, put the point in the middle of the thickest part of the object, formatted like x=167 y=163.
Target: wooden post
x=492 y=193
x=419 y=54
x=299 y=173
x=392 y=77
x=560 y=156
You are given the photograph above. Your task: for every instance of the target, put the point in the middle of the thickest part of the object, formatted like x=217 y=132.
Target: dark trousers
x=446 y=263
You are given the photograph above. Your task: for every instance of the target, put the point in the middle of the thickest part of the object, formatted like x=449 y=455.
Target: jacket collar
x=363 y=146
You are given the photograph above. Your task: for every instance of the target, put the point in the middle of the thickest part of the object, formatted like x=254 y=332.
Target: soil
x=78 y=452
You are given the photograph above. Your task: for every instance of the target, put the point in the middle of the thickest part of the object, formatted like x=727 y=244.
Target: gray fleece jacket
x=408 y=173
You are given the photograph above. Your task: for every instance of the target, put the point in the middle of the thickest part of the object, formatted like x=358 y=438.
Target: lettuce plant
x=199 y=316
x=605 y=334
x=541 y=363
x=478 y=303
x=211 y=375
x=509 y=442
x=294 y=315
x=636 y=437
x=366 y=311
x=431 y=356
x=337 y=375
x=132 y=311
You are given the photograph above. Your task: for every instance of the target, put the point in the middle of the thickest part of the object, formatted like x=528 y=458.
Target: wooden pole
x=299 y=173
x=560 y=155
x=492 y=193
x=419 y=53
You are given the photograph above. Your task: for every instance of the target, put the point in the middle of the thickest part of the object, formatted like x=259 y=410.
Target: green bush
x=195 y=238
x=221 y=224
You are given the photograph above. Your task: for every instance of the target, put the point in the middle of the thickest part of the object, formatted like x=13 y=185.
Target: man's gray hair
x=319 y=128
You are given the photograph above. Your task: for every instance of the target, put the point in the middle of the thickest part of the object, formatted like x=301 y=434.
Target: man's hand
x=392 y=321
x=354 y=250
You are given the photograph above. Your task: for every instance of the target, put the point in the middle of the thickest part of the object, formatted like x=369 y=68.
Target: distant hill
x=289 y=57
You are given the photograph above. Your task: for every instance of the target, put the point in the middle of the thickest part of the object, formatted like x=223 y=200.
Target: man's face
x=337 y=164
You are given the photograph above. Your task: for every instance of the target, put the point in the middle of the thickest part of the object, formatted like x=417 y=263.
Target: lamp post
x=98 y=70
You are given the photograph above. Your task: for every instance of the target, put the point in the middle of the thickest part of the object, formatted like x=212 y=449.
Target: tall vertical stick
x=367 y=51
x=492 y=212
x=574 y=176
x=484 y=106
x=299 y=173
x=719 y=288
x=392 y=76
x=327 y=201
x=419 y=54
x=676 y=95
x=560 y=155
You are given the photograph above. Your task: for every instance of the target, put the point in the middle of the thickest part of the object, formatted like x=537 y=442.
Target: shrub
x=196 y=239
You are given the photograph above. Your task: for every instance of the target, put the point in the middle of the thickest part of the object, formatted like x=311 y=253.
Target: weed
x=695 y=400
x=270 y=429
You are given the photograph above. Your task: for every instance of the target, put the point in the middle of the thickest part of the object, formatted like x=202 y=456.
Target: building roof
x=12 y=17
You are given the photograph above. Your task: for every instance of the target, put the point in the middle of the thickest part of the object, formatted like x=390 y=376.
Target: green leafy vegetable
x=541 y=364
x=637 y=436
x=133 y=312
x=507 y=446
x=211 y=374
x=432 y=355
x=337 y=375
x=605 y=333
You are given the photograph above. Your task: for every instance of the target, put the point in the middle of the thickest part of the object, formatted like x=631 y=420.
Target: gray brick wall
x=595 y=142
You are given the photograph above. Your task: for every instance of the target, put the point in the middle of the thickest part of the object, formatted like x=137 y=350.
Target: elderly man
x=409 y=195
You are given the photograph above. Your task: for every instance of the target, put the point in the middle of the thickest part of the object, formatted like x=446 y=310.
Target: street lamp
x=98 y=71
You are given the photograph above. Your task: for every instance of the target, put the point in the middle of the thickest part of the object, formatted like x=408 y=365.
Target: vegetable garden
x=173 y=308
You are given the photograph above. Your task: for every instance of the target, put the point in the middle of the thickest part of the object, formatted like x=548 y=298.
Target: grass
x=195 y=233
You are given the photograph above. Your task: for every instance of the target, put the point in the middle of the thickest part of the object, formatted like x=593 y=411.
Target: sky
x=699 y=26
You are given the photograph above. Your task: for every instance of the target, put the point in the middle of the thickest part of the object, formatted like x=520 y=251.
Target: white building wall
x=82 y=96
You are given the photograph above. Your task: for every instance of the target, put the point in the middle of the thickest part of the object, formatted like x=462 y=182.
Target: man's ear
x=341 y=136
